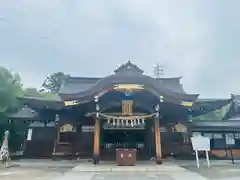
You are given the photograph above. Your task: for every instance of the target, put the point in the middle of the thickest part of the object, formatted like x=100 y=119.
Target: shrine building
x=93 y=117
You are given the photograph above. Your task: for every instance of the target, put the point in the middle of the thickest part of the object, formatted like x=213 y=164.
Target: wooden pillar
x=96 y=148
x=157 y=141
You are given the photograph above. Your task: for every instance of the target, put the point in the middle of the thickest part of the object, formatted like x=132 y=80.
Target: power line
x=28 y=32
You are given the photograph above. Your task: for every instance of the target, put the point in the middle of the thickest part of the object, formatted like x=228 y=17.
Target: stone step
x=137 y=168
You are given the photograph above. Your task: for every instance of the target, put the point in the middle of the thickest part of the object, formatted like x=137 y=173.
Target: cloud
x=193 y=39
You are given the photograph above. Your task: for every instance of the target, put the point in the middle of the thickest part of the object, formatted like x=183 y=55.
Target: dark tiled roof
x=148 y=82
x=203 y=106
x=235 y=118
x=129 y=71
x=236 y=97
x=84 y=88
x=224 y=125
x=211 y=103
x=54 y=102
x=77 y=84
x=212 y=100
x=55 y=98
x=25 y=113
x=173 y=84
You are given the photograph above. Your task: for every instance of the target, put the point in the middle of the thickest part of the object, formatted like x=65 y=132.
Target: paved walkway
x=131 y=176
x=150 y=171
x=140 y=167
x=75 y=170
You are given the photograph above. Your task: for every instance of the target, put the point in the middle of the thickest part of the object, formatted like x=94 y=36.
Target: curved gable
x=127 y=74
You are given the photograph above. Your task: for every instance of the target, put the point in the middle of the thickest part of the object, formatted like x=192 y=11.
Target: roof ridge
x=83 y=77
x=176 y=77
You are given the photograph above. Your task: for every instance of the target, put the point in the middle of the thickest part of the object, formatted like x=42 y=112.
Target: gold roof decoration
x=71 y=103
x=180 y=128
x=128 y=87
x=187 y=103
x=67 y=128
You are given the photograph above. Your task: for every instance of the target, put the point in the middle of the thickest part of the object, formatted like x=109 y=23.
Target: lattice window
x=127 y=107
x=196 y=134
x=209 y=135
x=88 y=128
x=217 y=136
x=237 y=135
x=229 y=137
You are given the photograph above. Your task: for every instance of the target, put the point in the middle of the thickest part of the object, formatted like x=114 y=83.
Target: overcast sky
x=196 y=39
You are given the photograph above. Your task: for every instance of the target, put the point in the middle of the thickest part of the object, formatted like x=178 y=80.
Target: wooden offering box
x=126 y=157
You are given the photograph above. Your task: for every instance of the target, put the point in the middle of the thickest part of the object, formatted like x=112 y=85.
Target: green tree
x=10 y=88
x=53 y=82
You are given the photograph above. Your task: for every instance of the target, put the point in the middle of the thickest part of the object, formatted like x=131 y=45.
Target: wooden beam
x=120 y=114
x=158 y=141
x=96 y=150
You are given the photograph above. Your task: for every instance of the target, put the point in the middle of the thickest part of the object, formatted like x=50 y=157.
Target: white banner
x=29 y=135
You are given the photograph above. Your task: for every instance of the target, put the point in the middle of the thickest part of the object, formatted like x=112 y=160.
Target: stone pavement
x=147 y=166
x=36 y=169
x=47 y=170
x=144 y=171
x=28 y=174
x=131 y=176
x=75 y=170
x=219 y=170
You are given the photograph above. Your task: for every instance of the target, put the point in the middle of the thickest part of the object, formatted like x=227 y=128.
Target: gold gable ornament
x=180 y=128
x=183 y=129
x=67 y=128
x=71 y=103
x=131 y=87
x=187 y=103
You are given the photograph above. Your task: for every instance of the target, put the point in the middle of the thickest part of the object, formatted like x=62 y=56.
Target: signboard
x=127 y=107
x=200 y=143
x=230 y=141
x=88 y=128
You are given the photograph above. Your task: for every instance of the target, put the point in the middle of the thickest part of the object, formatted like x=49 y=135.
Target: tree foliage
x=10 y=87
x=53 y=82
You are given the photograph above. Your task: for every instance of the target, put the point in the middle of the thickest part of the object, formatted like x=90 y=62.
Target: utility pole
x=158 y=70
